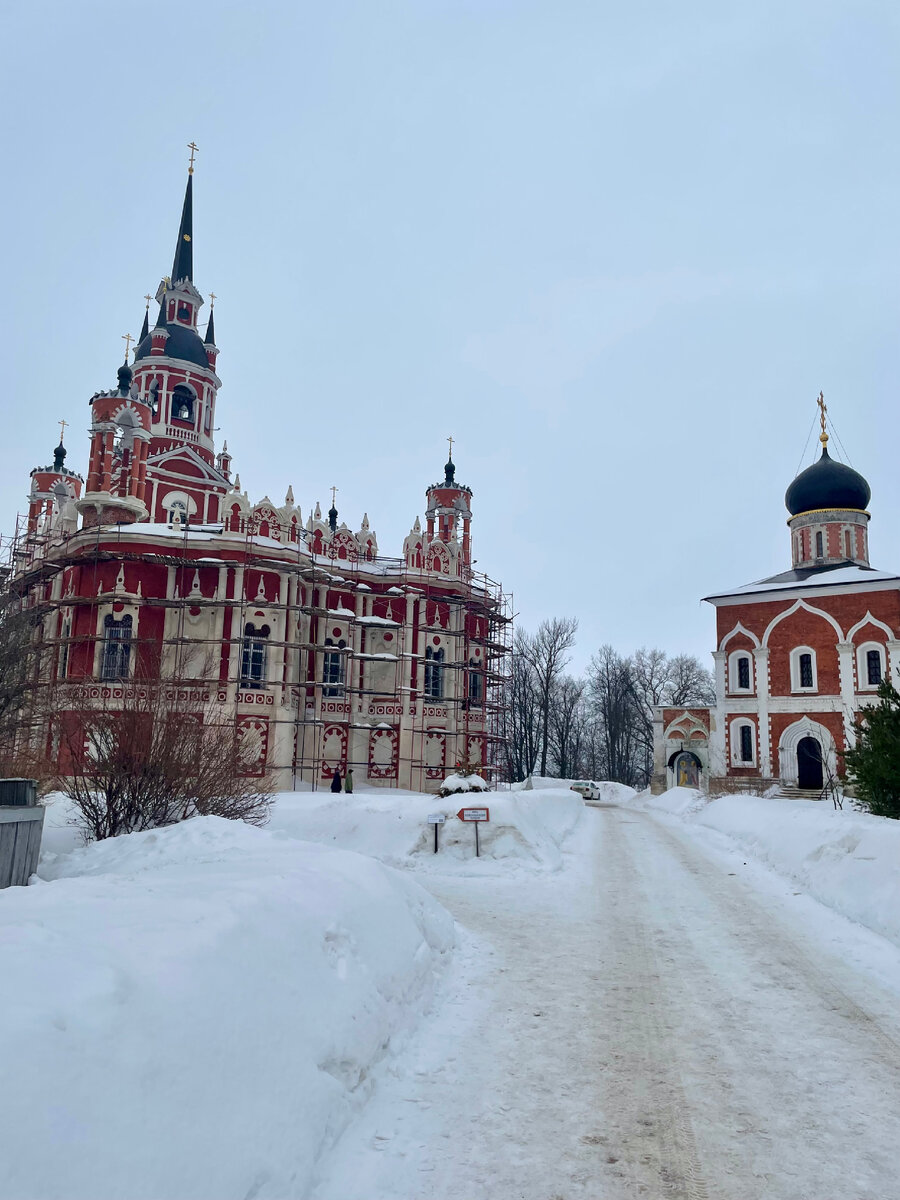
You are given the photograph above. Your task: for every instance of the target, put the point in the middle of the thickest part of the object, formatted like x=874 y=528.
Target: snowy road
x=660 y=1020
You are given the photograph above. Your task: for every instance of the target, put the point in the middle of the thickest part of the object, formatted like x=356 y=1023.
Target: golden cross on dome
x=823 y=409
x=127 y=339
x=193 y=149
x=450 y=440
x=212 y=299
x=62 y=430
x=334 y=492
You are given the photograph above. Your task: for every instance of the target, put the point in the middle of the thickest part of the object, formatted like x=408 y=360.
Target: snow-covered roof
x=373 y=620
x=839 y=575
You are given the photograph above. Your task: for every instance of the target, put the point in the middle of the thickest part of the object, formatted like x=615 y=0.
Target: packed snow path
x=661 y=1020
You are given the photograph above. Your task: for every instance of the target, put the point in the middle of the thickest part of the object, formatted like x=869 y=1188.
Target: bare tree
x=142 y=766
x=616 y=714
x=23 y=690
x=523 y=717
x=567 y=726
x=548 y=655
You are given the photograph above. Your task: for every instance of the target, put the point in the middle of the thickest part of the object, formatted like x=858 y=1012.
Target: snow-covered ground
x=195 y=1012
x=632 y=1002
x=846 y=859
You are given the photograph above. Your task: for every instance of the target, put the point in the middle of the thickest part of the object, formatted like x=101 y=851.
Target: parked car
x=586 y=788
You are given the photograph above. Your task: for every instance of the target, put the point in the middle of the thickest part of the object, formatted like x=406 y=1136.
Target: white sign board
x=436 y=818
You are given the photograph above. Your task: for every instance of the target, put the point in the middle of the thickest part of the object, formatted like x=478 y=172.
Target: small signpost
x=476 y=815
x=437 y=820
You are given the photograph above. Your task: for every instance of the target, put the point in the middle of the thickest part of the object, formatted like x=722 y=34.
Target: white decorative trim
x=868 y=619
x=795 y=607
x=739 y=628
x=790 y=740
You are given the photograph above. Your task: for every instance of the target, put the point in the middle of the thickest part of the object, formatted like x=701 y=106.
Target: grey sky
x=614 y=250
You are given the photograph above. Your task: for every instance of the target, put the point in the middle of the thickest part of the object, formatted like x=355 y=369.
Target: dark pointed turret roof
x=449 y=473
x=145 y=328
x=210 y=339
x=161 y=319
x=183 y=265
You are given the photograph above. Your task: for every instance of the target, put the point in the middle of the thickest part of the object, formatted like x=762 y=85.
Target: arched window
x=178 y=514
x=476 y=684
x=333 y=669
x=743 y=743
x=820 y=545
x=870 y=665
x=744 y=672
x=803 y=669
x=253 y=656
x=434 y=674
x=116 y=660
x=740 y=672
x=183 y=401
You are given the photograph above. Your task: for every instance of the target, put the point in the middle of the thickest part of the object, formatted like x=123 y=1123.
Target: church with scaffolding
x=156 y=569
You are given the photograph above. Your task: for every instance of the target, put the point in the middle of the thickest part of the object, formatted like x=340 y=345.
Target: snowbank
x=464 y=783
x=615 y=793
x=525 y=833
x=847 y=860
x=193 y=1012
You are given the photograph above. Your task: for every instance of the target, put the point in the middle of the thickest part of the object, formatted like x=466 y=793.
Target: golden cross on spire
x=823 y=410
x=334 y=492
x=62 y=430
x=148 y=298
x=127 y=339
x=193 y=149
x=450 y=440
x=212 y=299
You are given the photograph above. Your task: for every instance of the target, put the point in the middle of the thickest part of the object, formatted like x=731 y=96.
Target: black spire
x=449 y=472
x=161 y=319
x=332 y=517
x=210 y=339
x=59 y=457
x=183 y=266
x=145 y=328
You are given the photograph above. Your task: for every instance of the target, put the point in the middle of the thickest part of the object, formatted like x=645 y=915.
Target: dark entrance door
x=809 y=764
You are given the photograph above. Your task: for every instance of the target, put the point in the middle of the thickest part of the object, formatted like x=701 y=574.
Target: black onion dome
x=827 y=484
x=182 y=343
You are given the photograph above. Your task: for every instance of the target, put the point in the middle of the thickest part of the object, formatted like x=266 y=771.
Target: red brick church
x=798 y=654
x=325 y=653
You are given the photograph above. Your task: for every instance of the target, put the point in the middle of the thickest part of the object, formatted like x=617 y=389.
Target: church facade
x=797 y=655
x=325 y=654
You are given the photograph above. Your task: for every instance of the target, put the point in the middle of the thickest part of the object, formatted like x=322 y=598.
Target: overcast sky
x=614 y=249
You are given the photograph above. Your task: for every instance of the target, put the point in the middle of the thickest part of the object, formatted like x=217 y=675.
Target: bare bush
x=141 y=765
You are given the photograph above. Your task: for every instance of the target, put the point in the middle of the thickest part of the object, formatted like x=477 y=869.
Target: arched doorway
x=687 y=770
x=809 y=764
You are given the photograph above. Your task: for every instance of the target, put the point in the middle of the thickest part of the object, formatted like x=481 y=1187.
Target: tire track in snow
x=648 y=1120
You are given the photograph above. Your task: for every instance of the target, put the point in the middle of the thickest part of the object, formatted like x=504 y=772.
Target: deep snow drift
x=846 y=859
x=525 y=832
x=193 y=1012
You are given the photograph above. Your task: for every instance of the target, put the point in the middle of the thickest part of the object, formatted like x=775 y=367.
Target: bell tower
x=449 y=505
x=174 y=366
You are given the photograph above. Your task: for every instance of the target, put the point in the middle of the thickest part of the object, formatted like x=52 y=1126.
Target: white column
x=848 y=692
x=717 y=764
x=761 y=658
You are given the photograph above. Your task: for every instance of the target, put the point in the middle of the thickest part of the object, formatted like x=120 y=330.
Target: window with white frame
x=434 y=674
x=740 y=671
x=743 y=744
x=333 y=668
x=116 y=660
x=820 y=544
x=254 y=651
x=804 y=676
x=870 y=665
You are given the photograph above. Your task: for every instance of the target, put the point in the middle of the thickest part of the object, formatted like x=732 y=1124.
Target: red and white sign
x=474 y=814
